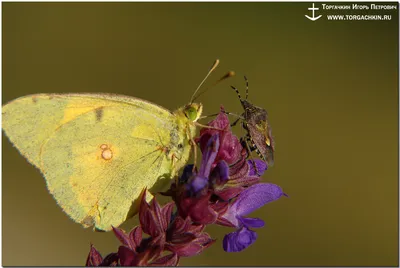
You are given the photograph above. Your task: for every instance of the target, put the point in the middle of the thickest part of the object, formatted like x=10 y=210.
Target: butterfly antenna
x=247 y=86
x=227 y=75
x=202 y=82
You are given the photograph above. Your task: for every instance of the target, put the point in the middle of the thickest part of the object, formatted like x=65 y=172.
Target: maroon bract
x=95 y=259
x=169 y=238
x=186 y=239
x=230 y=149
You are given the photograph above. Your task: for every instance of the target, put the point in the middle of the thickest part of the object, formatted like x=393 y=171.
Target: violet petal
x=209 y=156
x=260 y=165
x=255 y=197
x=197 y=184
x=239 y=240
x=252 y=222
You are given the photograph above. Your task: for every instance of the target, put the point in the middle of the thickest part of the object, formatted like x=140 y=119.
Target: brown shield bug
x=255 y=121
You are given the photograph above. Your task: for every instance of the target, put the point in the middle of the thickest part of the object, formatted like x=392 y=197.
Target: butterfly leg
x=193 y=145
x=205 y=126
x=228 y=113
x=174 y=159
x=207 y=116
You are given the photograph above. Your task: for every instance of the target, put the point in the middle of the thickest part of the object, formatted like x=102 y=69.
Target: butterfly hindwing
x=97 y=152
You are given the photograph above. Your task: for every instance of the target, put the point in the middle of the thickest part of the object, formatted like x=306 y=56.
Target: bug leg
x=234 y=123
x=245 y=144
x=236 y=115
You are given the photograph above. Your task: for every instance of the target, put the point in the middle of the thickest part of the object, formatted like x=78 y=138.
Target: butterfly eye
x=191 y=113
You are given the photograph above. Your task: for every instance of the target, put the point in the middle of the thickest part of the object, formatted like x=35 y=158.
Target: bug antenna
x=227 y=75
x=202 y=82
x=237 y=92
x=247 y=86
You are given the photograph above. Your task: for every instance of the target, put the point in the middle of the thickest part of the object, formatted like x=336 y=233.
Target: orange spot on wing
x=106 y=152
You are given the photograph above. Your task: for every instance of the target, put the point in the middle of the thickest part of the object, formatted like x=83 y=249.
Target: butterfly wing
x=97 y=152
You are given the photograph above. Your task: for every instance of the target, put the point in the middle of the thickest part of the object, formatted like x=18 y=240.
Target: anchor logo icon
x=313 y=18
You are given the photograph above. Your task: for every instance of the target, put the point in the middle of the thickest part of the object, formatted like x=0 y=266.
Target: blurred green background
x=331 y=90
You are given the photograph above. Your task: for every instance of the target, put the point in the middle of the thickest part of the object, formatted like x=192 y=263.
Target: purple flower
x=248 y=201
x=231 y=172
x=192 y=194
x=223 y=191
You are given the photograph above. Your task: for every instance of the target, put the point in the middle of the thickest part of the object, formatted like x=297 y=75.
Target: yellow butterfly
x=98 y=152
